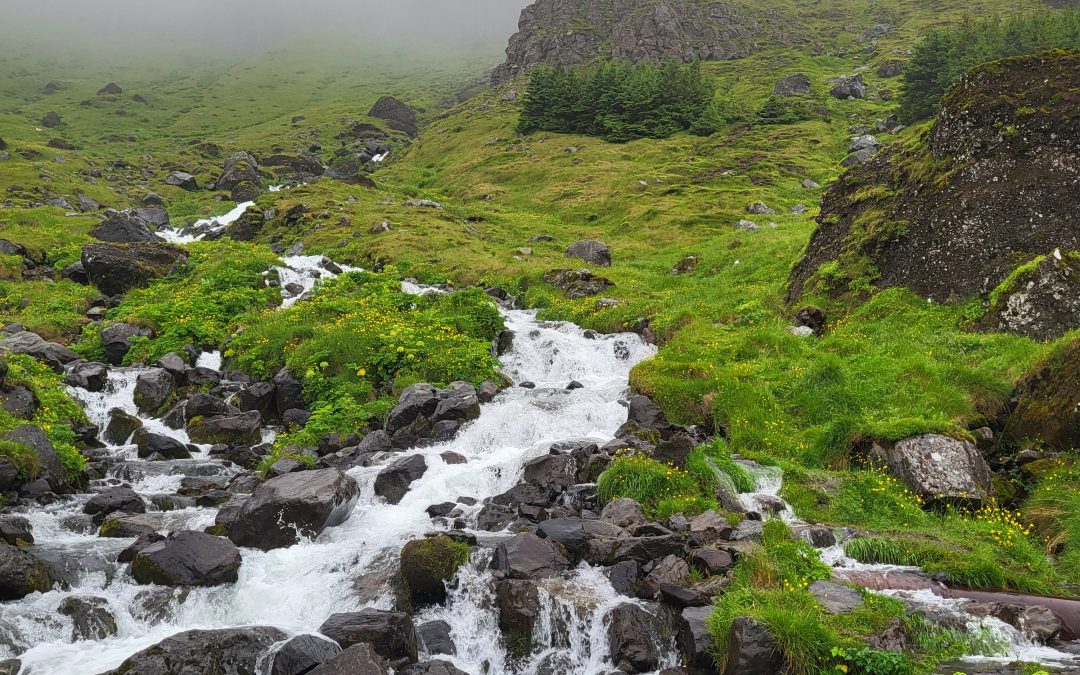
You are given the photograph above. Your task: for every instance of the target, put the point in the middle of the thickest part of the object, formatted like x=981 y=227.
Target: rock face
x=52 y=469
x=187 y=559
x=32 y=344
x=118 y=268
x=751 y=650
x=1046 y=399
x=391 y=634
x=1002 y=157
x=302 y=653
x=229 y=651
x=591 y=251
x=397 y=114
x=1041 y=301
x=938 y=468
x=304 y=502
x=632 y=639
x=239 y=167
x=572 y=32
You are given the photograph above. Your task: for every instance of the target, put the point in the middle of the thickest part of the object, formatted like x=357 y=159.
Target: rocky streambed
x=464 y=535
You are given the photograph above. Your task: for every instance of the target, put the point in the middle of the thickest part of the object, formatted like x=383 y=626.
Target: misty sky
x=255 y=25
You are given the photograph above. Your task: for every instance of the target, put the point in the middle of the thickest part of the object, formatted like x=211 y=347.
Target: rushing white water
x=298 y=275
x=299 y=587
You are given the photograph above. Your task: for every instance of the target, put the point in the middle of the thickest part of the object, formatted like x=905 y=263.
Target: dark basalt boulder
x=634 y=639
x=591 y=251
x=435 y=637
x=120 y=427
x=432 y=668
x=239 y=167
x=124 y=227
x=1000 y=196
x=187 y=559
x=51 y=120
x=49 y=464
x=90 y=616
x=247 y=227
x=303 y=653
x=393 y=481
x=153 y=388
x=527 y=556
x=121 y=498
x=1045 y=402
x=518 y=601
x=792 y=85
x=229 y=651
x=150 y=444
x=297 y=504
x=288 y=392
x=751 y=649
x=54 y=355
x=21 y=573
x=117 y=268
x=19 y=402
x=360 y=659
x=236 y=429
x=89 y=376
x=116 y=340
x=398 y=115
x=390 y=634
x=182 y=180
x=427 y=564
x=111 y=89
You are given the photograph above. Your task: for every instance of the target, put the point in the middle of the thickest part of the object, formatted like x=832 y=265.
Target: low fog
x=247 y=26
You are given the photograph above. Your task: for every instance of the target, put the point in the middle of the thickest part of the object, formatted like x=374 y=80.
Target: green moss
x=24 y=459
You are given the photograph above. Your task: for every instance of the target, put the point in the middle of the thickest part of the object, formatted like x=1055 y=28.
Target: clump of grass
x=24 y=459
x=879 y=551
x=1053 y=509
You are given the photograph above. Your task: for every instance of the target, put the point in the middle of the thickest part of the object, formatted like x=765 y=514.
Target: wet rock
x=121 y=426
x=89 y=376
x=360 y=659
x=591 y=251
x=124 y=227
x=228 y=651
x=938 y=468
x=435 y=637
x=24 y=342
x=116 y=340
x=187 y=559
x=91 y=617
x=238 y=429
x=569 y=532
x=256 y=396
x=527 y=556
x=284 y=508
x=393 y=481
x=151 y=444
x=751 y=649
x=123 y=525
x=518 y=601
x=552 y=471
x=49 y=464
x=141 y=542
x=419 y=400
x=122 y=499
x=633 y=636
x=459 y=404
x=427 y=565
x=694 y=640
x=153 y=388
x=21 y=573
x=391 y=635
x=433 y=668
x=301 y=654
x=117 y=268
x=16 y=530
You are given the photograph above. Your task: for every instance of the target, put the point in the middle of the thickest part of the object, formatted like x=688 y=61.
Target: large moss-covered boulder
x=1048 y=402
x=1041 y=299
x=427 y=564
x=118 y=268
x=951 y=214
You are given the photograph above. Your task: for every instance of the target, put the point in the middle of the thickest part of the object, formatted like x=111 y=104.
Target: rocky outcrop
x=24 y=342
x=124 y=227
x=118 y=268
x=1045 y=407
x=1040 y=300
x=995 y=183
x=572 y=32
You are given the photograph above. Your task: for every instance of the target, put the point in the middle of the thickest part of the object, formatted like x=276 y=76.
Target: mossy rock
x=427 y=564
x=1046 y=410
